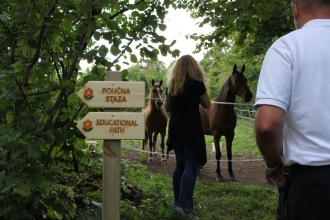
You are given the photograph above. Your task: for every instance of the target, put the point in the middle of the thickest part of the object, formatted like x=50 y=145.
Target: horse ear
x=153 y=82
x=161 y=82
x=234 y=68
x=243 y=68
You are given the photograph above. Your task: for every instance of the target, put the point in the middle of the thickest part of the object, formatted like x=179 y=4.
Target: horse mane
x=222 y=96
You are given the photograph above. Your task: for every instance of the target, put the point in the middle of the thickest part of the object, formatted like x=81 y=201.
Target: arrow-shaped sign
x=113 y=94
x=113 y=126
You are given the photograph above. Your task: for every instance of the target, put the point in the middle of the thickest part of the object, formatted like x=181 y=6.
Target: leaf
x=41 y=181
x=27 y=123
x=107 y=36
x=3 y=142
x=18 y=66
x=160 y=12
x=167 y=3
x=173 y=42
x=10 y=116
x=103 y=51
x=23 y=189
x=86 y=8
x=118 y=67
x=64 y=117
x=43 y=97
x=67 y=26
x=67 y=84
x=114 y=50
x=98 y=204
x=14 y=134
x=231 y=19
x=80 y=144
x=80 y=154
x=86 y=202
x=155 y=51
x=4 y=16
x=32 y=43
x=73 y=99
x=32 y=152
x=253 y=22
x=162 y=27
x=135 y=14
x=142 y=6
x=16 y=153
x=2 y=103
x=112 y=25
x=161 y=39
x=129 y=49
x=2 y=175
x=97 y=35
x=133 y=58
x=125 y=73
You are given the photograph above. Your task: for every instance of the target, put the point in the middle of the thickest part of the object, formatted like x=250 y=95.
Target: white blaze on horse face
x=158 y=90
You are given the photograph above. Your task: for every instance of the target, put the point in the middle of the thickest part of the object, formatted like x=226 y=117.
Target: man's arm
x=268 y=125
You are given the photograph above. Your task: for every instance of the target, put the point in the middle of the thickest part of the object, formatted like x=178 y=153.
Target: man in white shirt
x=293 y=113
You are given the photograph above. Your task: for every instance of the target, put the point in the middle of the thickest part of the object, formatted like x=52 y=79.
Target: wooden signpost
x=112 y=125
x=113 y=94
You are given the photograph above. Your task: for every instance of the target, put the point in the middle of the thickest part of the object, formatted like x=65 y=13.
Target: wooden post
x=111 y=167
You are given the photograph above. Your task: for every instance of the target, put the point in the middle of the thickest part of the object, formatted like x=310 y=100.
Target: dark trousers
x=184 y=176
x=306 y=194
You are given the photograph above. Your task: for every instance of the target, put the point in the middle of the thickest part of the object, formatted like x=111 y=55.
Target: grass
x=220 y=201
x=213 y=201
x=244 y=140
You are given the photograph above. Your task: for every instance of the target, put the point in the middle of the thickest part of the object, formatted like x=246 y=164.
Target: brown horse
x=156 y=120
x=220 y=119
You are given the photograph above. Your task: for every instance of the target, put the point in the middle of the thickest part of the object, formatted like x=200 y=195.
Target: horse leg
x=162 y=145
x=216 y=139
x=150 y=159
x=229 y=142
x=145 y=141
x=154 y=142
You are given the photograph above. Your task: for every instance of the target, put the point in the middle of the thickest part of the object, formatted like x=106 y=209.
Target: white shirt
x=295 y=76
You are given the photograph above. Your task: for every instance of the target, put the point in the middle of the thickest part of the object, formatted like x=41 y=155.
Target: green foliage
x=145 y=71
x=256 y=23
x=244 y=141
x=42 y=43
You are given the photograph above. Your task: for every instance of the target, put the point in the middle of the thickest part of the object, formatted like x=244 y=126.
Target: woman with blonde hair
x=185 y=92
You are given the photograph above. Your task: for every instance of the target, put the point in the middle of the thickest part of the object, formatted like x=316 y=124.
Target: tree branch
x=55 y=65
x=39 y=43
x=24 y=96
x=40 y=93
x=72 y=119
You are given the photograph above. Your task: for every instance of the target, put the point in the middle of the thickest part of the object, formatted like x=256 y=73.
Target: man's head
x=306 y=10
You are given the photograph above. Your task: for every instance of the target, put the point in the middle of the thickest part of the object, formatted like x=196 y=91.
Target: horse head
x=156 y=93
x=239 y=84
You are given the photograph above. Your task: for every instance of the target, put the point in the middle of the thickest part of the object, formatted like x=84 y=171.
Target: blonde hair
x=183 y=67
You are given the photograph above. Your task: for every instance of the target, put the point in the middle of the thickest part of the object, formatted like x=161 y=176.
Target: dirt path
x=248 y=170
